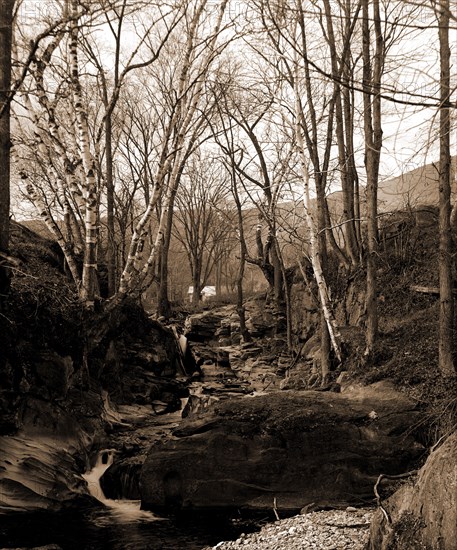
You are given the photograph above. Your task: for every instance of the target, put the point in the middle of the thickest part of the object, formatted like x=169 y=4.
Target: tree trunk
x=53 y=227
x=241 y=310
x=343 y=140
x=279 y=299
x=163 y=299
x=6 y=16
x=372 y=72
x=324 y=297
x=89 y=273
x=446 y=337
x=111 y=235
x=322 y=252
x=196 y=283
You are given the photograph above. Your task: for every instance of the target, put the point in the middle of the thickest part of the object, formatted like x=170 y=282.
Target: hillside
x=414 y=188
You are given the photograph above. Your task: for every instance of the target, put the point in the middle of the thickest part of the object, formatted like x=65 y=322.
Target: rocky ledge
x=326 y=530
x=287 y=448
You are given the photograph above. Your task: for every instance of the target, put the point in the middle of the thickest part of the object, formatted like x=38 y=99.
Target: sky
x=409 y=133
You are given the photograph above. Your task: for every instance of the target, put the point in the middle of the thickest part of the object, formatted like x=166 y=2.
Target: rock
x=424 y=511
x=54 y=375
x=39 y=473
x=312 y=347
x=121 y=480
x=57 y=408
x=204 y=326
x=135 y=360
x=223 y=358
x=299 y=377
x=198 y=403
x=295 y=447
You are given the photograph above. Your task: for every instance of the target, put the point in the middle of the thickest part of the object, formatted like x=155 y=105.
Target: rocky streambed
x=242 y=444
x=326 y=530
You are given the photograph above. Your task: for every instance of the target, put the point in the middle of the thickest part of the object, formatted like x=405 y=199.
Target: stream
x=115 y=524
x=103 y=529
x=120 y=524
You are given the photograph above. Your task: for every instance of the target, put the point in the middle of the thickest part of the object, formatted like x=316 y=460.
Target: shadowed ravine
x=116 y=524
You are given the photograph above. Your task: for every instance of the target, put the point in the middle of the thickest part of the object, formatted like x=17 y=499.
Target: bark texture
x=6 y=9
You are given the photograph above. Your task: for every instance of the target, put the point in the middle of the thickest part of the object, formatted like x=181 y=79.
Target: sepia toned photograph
x=228 y=271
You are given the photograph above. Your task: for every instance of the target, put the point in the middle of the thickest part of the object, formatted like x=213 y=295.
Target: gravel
x=326 y=530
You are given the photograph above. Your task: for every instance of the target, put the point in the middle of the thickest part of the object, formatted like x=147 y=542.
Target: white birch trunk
x=54 y=229
x=133 y=272
x=89 y=274
x=325 y=301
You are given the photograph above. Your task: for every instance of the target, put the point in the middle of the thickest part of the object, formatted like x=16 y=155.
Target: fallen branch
x=364 y=525
x=440 y=440
x=427 y=289
x=11 y=260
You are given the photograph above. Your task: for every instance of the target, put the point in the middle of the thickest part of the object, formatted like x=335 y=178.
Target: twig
x=297 y=357
x=10 y=259
x=364 y=525
x=9 y=320
x=274 y=509
x=378 y=500
x=440 y=440
x=20 y=272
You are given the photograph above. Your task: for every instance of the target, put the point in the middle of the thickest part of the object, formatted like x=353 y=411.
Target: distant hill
x=412 y=189
x=419 y=187
x=39 y=227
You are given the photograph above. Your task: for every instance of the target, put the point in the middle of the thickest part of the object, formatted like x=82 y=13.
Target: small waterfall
x=122 y=510
x=104 y=460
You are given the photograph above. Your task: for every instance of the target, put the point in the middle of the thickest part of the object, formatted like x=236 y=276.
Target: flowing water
x=121 y=510
x=116 y=524
x=100 y=529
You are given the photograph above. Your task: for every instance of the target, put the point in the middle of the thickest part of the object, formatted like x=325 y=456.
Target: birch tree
x=163 y=21
x=291 y=39
x=74 y=149
x=182 y=131
x=324 y=295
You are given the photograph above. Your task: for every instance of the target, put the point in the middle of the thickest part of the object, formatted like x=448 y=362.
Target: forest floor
x=409 y=325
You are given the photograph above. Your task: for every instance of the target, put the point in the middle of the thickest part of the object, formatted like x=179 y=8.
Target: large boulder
x=422 y=513
x=291 y=448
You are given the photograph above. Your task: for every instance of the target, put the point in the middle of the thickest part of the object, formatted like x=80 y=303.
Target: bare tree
x=6 y=25
x=446 y=345
x=182 y=130
x=199 y=225
x=372 y=74
x=291 y=35
x=111 y=81
x=81 y=168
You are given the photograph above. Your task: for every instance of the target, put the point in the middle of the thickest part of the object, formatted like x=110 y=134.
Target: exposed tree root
x=378 y=496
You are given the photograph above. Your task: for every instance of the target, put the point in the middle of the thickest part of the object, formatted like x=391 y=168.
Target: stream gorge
x=51 y=467
x=185 y=442
x=98 y=522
